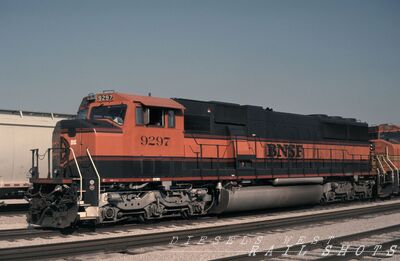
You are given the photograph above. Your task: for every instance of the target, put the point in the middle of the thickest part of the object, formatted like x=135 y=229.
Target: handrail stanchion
x=79 y=172
x=48 y=163
x=37 y=161
x=95 y=169
x=397 y=171
x=381 y=166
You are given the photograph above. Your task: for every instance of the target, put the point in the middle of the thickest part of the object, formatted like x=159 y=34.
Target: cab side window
x=171 y=119
x=155 y=117
x=150 y=116
x=139 y=116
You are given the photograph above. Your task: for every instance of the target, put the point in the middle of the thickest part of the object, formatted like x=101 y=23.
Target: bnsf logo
x=284 y=151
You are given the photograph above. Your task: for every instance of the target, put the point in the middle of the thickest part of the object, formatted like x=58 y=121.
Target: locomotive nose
x=56 y=209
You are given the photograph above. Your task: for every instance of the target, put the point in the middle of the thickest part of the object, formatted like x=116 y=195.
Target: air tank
x=297 y=181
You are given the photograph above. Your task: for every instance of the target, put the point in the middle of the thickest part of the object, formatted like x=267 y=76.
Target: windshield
x=115 y=113
x=82 y=114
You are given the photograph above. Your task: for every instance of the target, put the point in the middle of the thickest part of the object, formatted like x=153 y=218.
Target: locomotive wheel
x=141 y=218
x=185 y=214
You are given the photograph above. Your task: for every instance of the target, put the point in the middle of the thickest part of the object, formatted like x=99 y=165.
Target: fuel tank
x=264 y=197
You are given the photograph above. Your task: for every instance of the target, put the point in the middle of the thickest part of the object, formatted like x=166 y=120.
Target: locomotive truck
x=142 y=157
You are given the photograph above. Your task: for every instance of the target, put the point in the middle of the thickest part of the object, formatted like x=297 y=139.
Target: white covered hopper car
x=21 y=131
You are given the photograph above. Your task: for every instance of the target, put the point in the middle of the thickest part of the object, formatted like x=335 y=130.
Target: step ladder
x=81 y=191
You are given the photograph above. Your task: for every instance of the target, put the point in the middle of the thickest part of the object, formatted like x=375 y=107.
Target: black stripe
x=148 y=168
x=259 y=139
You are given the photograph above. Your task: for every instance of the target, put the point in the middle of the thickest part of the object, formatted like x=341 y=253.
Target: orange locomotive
x=142 y=157
x=386 y=158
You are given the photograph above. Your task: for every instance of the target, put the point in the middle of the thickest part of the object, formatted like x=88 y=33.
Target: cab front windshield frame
x=115 y=113
x=82 y=114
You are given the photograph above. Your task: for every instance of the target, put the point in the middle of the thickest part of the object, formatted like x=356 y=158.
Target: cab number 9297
x=105 y=97
x=154 y=140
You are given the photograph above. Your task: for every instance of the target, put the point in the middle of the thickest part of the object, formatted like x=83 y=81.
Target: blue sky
x=330 y=57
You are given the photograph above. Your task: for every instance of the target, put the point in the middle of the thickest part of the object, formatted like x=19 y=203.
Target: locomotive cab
x=105 y=148
x=117 y=125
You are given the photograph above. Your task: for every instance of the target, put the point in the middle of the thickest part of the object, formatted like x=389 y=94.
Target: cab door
x=244 y=151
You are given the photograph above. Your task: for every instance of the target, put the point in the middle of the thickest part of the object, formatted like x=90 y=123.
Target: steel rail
x=12 y=234
x=137 y=241
x=13 y=209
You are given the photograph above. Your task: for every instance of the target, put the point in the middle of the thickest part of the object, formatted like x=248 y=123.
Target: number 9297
x=154 y=141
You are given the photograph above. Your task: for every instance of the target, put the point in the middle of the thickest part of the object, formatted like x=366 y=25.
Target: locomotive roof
x=180 y=103
x=151 y=101
x=321 y=117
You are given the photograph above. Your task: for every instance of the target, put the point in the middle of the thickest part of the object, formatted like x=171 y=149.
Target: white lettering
x=244 y=240
x=174 y=240
x=327 y=250
x=254 y=250
x=301 y=253
x=343 y=250
x=287 y=250
x=202 y=240
x=391 y=250
x=301 y=240
x=269 y=252
x=377 y=248
x=188 y=241
x=362 y=247
x=217 y=239
x=230 y=240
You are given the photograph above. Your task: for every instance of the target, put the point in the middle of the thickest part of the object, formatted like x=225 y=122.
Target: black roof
x=221 y=118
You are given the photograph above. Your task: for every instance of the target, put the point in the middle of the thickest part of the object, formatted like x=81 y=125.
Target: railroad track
x=375 y=244
x=36 y=232
x=12 y=234
x=32 y=232
x=139 y=241
x=13 y=209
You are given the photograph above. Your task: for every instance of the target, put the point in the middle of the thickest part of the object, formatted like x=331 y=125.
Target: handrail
x=263 y=143
x=383 y=170
x=327 y=156
x=95 y=169
x=391 y=169
x=343 y=151
x=397 y=169
x=226 y=146
x=80 y=174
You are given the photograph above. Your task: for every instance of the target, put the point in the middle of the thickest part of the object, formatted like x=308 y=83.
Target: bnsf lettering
x=284 y=151
x=154 y=141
